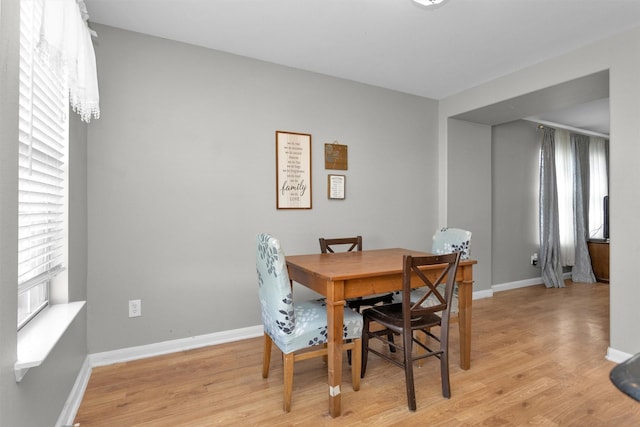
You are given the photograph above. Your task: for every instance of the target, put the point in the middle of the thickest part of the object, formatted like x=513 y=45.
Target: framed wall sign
x=336 y=186
x=293 y=170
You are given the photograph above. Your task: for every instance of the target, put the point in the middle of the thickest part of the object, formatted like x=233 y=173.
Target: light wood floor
x=537 y=359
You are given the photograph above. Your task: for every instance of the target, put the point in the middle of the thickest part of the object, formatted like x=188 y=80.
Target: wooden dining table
x=339 y=276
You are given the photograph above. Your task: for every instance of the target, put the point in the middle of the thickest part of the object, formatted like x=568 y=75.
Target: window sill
x=39 y=336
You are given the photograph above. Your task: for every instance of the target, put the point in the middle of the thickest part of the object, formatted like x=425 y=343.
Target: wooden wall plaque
x=335 y=156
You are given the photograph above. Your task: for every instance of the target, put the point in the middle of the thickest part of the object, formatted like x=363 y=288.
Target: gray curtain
x=582 y=271
x=549 y=232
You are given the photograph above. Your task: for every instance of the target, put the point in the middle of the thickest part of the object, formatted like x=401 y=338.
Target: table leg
x=335 y=320
x=465 y=288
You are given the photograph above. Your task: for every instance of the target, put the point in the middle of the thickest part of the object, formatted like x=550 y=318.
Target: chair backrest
x=448 y=240
x=274 y=287
x=413 y=269
x=329 y=245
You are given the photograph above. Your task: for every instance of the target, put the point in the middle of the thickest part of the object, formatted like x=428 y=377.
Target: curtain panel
x=549 y=231
x=65 y=44
x=581 y=271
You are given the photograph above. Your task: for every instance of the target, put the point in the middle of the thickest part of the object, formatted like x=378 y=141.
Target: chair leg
x=356 y=364
x=266 y=357
x=444 y=362
x=392 y=349
x=408 y=369
x=288 y=380
x=444 y=374
x=365 y=347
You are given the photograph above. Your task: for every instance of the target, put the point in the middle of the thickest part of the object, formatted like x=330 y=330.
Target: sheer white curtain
x=65 y=44
x=598 y=184
x=565 y=171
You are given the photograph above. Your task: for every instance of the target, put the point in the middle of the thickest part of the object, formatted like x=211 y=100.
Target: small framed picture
x=336 y=186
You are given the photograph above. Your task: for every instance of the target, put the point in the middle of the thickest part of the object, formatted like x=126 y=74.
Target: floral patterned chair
x=445 y=241
x=298 y=329
x=448 y=240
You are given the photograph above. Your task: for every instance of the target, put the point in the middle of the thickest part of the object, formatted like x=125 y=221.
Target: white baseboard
x=166 y=347
x=617 y=355
x=524 y=283
x=487 y=293
x=517 y=284
x=72 y=404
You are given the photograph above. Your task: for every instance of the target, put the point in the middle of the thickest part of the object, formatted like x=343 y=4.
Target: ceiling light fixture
x=429 y=2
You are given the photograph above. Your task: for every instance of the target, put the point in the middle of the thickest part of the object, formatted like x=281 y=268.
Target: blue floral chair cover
x=448 y=240
x=296 y=326
x=445 y=241
x=292 y=326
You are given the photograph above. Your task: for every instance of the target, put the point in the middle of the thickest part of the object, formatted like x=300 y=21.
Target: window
x=43 y=152
x=598 y=188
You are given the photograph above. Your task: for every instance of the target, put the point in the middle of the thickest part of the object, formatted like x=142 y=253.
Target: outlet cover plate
x=135 y=308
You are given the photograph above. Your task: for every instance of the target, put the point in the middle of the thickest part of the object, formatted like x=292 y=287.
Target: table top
x=351 y=265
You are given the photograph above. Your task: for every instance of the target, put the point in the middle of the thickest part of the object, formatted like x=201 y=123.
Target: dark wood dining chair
x=349 y=244
x=408 y=317
x=445 y=241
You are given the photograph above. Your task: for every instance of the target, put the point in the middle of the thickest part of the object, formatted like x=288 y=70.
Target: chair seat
x=311 y=327
x=391 y=316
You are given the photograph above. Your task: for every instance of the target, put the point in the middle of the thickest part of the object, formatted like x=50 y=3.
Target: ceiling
x=581 y=104
x=394 y=44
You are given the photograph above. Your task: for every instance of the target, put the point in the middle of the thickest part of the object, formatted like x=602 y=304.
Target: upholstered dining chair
x=445 y=241
x=407 y=317
x=448 y=240
x=298 y=329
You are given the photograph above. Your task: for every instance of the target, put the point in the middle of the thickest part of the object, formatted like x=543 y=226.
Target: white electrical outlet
x=135 y=308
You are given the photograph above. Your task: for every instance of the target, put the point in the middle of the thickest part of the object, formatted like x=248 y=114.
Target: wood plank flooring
x=537 y=359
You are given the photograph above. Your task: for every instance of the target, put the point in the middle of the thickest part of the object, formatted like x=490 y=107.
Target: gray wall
x=46 y=387
x=469 y=192
x=515 y=180
x=181 y=169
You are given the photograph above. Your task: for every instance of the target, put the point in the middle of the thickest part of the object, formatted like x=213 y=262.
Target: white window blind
x=43 y=139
